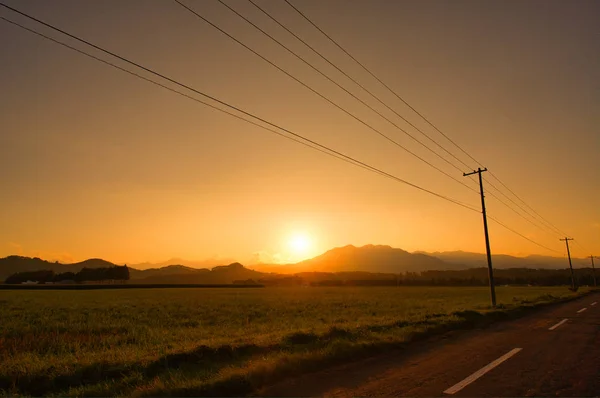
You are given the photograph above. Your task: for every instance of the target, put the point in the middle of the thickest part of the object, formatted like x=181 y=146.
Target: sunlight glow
x=300 y=244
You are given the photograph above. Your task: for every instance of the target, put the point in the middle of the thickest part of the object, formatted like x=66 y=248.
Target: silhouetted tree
x=41 y=276
x=64 y=276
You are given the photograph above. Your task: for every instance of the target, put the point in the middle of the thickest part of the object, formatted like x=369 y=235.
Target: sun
x=300 y=244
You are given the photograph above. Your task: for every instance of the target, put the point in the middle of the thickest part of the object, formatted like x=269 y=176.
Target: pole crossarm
x=475 y=172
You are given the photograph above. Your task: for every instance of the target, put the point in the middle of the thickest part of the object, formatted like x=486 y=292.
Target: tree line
x=116 y=273
x=467 y=277
x=510 y=276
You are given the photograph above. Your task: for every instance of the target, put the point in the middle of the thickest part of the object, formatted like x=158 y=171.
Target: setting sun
x=300 y=244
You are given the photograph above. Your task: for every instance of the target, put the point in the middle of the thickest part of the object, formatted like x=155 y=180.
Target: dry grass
x=218 y=341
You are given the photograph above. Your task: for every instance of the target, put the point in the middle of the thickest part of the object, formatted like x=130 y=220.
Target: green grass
x=219 y=341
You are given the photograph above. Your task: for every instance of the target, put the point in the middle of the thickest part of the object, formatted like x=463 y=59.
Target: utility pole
x=570 y=265
x=487 y=237
x=594 y=271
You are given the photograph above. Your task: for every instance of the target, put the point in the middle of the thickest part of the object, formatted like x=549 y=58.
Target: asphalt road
x=552 y=352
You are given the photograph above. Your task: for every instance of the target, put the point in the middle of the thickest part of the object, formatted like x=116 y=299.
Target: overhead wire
x=377 y=98
x=137 y=75
x=334 y=82
x=521 y=235
x=380 y=81
x=303 y=15
x=357 y=83
x=361 y=121
x=585 y=251
x=323 y=148
x=545 y=229
x=544 y=226
x=525 y=203
x=305 y=141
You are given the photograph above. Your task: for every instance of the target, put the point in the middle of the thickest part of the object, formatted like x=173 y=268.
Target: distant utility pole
x=487 y=237
x=570 y=265
x=593 y=271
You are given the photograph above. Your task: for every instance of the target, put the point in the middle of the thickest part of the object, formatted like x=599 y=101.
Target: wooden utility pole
x=570 y=265
x=487 y=237
x=594 y=271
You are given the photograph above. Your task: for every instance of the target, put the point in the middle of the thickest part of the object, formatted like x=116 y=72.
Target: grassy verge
x=339 y=346
x=216 y=343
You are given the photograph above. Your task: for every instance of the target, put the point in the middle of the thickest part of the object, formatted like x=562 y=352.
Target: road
x=552 y=352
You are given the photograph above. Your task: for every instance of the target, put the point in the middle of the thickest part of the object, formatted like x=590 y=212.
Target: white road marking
x=558 y=324
x=594 y=303
x=459 y=386
x=581 y=310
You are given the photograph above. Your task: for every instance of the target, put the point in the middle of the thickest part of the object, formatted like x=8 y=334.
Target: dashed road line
x=581 y=310
x=459 y=386
x=558 y=324
x=594 y=303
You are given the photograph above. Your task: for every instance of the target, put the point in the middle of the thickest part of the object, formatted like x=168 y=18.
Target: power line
x=415 y=127
x=356 y=82
x=305 y=141
x=581 y=246
x=380 y=81
x=333 y=81
x=410 y=106
x=323 y=96
x=525 y=203
x=515 y=211
x=521 y=235
x=323 y=147
x=520 y=207
x=172 y=89
x=354 y=96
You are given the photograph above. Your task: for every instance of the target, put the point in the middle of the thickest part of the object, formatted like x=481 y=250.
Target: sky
x=97 y=163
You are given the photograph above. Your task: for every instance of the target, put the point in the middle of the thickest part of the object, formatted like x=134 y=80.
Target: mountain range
x=475 y=260
x=369 y=258
x=365 y=259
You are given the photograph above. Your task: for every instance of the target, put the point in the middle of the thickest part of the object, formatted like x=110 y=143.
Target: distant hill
x=163 y=271
x=475 y=260
x=208 y=263
x=13 y=264
x=218 y=275
x=348 y=262
x=171 y=274
x=369 y=258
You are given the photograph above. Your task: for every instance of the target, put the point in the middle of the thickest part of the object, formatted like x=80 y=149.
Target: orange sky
x=95 y=163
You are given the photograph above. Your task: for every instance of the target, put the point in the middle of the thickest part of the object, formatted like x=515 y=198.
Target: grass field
x=218 y=341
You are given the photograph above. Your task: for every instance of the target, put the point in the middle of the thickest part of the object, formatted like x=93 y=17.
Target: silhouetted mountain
x=217 y=275
x=370 y=262
x=369 y=258
x=171 y=274
x=475 y=260
x=208 y=263
x=91 y=263
x=163 y=271
x=13 y=264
